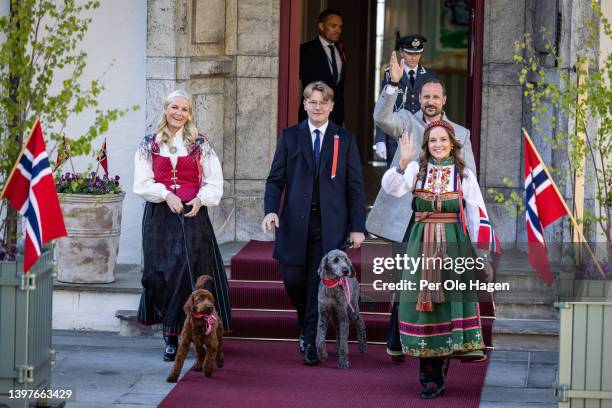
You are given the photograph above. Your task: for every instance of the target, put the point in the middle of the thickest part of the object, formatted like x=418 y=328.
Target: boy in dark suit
x=317 y=164
x=324 y=59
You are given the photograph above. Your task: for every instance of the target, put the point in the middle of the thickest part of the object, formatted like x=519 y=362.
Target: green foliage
x=40 y=44
x=588 y=103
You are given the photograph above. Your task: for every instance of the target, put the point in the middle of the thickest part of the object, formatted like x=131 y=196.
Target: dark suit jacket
x=342 y=199
x=314 y=66
x=407 y=98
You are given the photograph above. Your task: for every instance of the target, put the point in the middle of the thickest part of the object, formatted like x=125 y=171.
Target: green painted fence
x=26 y=353
x=585 y=354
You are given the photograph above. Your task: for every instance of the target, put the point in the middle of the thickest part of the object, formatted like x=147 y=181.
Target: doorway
x=454 y=29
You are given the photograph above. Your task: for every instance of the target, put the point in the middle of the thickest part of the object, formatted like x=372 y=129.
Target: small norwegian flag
x=543 y=206
x=487 y=238
x=62 y=152
x=103 y=159
x=30 y=189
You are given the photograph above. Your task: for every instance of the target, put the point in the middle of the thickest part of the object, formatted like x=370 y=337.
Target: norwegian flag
x=543 y=206
x=103 y=159
x=487 y=238
x=30 y=189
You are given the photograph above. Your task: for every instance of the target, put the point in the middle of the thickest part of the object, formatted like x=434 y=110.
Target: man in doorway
x=391 y=217
x=324 y=59
x=318 y=167
x=411 y=49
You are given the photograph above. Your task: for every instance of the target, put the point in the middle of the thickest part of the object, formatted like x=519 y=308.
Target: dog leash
x=181 y=218
x=346 y=289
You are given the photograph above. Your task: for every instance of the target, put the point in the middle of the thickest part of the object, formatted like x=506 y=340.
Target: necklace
x=172 y=149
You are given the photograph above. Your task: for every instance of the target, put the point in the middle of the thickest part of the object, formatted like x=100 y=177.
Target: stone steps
x=525 y=305
x=526 y=334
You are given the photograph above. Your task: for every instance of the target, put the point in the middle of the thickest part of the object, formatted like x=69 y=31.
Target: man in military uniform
x=411 y=49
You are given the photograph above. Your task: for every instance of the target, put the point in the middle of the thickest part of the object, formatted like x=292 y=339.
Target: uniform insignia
x=416 y=43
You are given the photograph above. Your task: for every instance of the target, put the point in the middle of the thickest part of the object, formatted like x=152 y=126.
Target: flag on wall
x=544 y=205
x=30 y=189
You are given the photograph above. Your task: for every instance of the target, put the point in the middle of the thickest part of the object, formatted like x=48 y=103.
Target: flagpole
x=569 y=213
x=67 y=150
x=97 y=169
x=8 y=179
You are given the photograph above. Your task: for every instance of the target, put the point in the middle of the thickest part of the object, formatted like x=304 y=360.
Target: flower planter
x=89 y=253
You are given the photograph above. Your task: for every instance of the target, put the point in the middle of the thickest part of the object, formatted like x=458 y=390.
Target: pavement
x=107 y=370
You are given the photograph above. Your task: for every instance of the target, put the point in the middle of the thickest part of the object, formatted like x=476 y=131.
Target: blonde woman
x=179 y=175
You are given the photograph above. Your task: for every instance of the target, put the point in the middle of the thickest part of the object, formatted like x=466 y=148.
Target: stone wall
x=505 y=110
x=225 y=53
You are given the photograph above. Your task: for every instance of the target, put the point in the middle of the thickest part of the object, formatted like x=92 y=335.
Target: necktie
x=317 y=146
x=411 y=73
x=332 y=51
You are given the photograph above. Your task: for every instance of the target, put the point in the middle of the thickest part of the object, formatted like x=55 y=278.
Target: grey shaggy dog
x=337 y=270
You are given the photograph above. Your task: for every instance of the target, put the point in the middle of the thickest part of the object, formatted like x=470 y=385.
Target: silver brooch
x=172 y=149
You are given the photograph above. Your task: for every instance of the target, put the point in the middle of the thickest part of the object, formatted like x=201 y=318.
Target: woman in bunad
x=179 y=175
x=437 y=324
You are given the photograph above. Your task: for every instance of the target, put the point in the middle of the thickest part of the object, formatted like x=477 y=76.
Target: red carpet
x=271 y=374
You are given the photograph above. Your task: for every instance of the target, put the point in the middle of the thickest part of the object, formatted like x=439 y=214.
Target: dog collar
x=332 y=283
x=346 y=289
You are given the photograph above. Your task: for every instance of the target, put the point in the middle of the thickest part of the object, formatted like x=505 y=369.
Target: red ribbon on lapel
x=335 y=162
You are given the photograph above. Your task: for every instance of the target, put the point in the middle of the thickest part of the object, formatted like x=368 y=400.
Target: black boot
x=171 y=347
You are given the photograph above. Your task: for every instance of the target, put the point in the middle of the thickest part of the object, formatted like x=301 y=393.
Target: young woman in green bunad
x=441 y=319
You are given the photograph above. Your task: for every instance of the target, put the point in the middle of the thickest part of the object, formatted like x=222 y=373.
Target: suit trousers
x=302 y=282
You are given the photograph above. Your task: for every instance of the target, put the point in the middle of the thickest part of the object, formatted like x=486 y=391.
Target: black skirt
x=177 y=250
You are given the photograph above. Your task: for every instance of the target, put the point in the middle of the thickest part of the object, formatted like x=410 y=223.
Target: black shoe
x=399 y=359
x=311 y=356
x=170 y=353
x=302 y=342
x=432 y=391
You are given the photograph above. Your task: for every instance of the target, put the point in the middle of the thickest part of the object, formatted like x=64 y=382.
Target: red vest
x=185 y=180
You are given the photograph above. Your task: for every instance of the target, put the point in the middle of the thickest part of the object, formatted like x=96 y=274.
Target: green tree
x=40 y=44
x=589 y=106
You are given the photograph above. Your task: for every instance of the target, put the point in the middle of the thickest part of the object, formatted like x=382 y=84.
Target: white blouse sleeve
x=473 y=201
x=144 y=181
x=397 y=184
x=212 y=179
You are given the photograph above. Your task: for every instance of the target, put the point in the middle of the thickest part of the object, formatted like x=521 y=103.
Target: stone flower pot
x=89 y=253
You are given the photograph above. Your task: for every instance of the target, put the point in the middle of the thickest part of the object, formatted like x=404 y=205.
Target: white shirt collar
x=325 y=43
x=415 y=69
x=321 y=128
x=177 y=136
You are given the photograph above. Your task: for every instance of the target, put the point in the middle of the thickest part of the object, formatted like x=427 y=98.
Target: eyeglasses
x=316 y=104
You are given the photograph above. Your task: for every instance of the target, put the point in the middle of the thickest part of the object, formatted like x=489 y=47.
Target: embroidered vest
x=185 y=180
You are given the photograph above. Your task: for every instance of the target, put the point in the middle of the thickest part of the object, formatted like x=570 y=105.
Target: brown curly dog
x=204 y=328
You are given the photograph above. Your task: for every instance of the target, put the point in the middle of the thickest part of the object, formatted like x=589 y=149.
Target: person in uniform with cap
x=410 y=48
